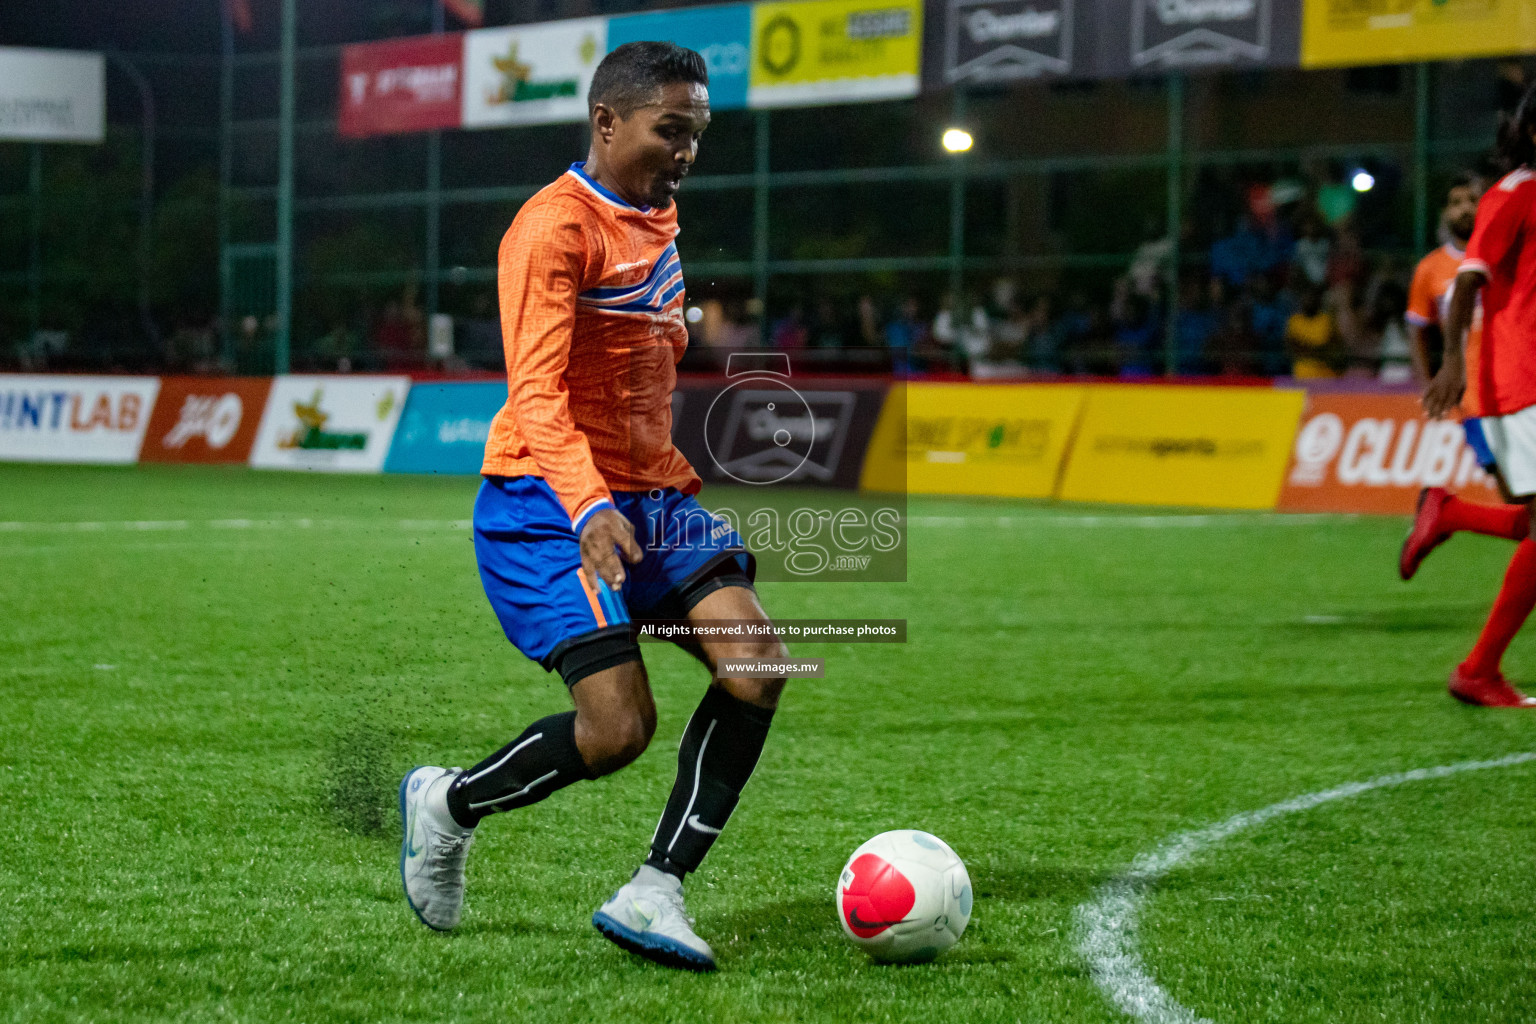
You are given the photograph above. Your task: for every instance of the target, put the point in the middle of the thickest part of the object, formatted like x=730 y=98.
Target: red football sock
x=1512 y=522
x=1516 y=599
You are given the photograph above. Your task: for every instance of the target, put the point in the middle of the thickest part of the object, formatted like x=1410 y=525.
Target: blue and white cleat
x=647 y=918
x=431 y=855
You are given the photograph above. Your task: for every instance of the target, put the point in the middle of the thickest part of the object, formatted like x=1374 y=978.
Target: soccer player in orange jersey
x=1494 y=382
x=1430 y=293
x=578 y=460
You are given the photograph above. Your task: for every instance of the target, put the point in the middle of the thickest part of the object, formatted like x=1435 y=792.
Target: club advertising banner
x=444 y=427
x=994 y=439
x=835 y=51
x=721 y=35
x=336 y=424
x=74 y=419
x=531 y=74
x=52 y=95
x=1220 y=447
x=1008 y=40
x=401 y=85
x=1372 y=453
x=1338 y=32
x=205 y=419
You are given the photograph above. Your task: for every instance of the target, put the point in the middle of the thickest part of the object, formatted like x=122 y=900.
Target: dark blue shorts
x=530 y=563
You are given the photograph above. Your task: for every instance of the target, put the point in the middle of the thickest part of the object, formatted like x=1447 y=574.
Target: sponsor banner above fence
x=531 y=74
x=996 y=439
x=205 y=419
x=333 y=424
x=835 y=51
x=989 y=41
x=1220 y=447
x=444 y=427
x=401 y=85
x=52 y=95
x=74 y=419
x=722 y=35
x=1372 y=453
x=1342 y=32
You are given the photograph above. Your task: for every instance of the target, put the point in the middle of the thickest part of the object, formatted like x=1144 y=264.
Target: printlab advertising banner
x=205 y=419
x=531 y=74
x=52 y=95
x=74 y=419
x=721 y=35
x=339 y=424
x=835 y=51
x=444 y=427
x=994 y=439
x=401 y=85
x=1341 y=32
x=1372 y=453
x=1151 y=444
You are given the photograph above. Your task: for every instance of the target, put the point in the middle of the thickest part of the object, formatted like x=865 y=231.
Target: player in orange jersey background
x=578 y=461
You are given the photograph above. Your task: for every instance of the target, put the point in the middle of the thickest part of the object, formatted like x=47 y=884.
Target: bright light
x=1362 y=181
x=694 y=314
x=957 y=140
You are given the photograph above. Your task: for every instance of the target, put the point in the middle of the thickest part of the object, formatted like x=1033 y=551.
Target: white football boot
x=646 y=917
x=433 y=852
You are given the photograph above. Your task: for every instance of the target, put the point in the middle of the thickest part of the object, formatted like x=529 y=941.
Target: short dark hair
x=1515 y=146
x=630 y=76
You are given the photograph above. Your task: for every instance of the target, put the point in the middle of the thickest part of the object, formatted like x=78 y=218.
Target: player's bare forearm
x=1418 y=351
x=1443 y=394
x=607 y=542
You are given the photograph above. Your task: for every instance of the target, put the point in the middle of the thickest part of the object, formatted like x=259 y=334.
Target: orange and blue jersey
x=591 y=292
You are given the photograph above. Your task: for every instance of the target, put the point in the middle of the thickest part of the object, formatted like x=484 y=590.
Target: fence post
x=1175 y=223
x=282 y=337
x=760 y=226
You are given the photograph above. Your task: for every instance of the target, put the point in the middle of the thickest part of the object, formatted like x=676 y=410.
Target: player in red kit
x=1495 y=386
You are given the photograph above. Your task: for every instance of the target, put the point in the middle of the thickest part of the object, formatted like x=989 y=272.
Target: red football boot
x=1427 y=533
x=1487 y=691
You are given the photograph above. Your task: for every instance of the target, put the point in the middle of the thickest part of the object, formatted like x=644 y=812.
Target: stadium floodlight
x=1363 y=181
x=957 y=140
x=694 y=314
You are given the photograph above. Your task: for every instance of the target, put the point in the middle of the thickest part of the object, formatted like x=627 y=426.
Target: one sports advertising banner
x=721 y=35
x=401 y=85
x=1373 y=453
x=1006 y=440
x=835 y=51
x=444 y=427
x=52 y=95
x=531 y=74
x=74 y=419
x=1221 y=447
x=334 y=424
x=205 y=419
x=1341 y=32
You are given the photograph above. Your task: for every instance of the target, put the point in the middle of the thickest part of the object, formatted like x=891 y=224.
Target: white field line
x=1107 y=924
x=1146 y=522
x=151 y=525
x=1191 y=520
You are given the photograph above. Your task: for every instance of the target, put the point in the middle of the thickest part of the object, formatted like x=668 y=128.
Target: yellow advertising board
x=830 y=51
x=1337 y=32
x=995 y=439
x=1220 y=447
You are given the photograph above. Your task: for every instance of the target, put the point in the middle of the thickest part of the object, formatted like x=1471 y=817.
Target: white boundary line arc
x=1107 y=924
x=154 y=525
x=1152 y=522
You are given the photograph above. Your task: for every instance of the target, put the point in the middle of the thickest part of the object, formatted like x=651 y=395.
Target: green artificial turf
x=204 y=714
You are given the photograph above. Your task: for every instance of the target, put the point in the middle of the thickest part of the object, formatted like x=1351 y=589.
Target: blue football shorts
x=530 y=563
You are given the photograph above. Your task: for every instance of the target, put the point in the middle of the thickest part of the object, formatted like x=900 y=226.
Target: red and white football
x=904 y=896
